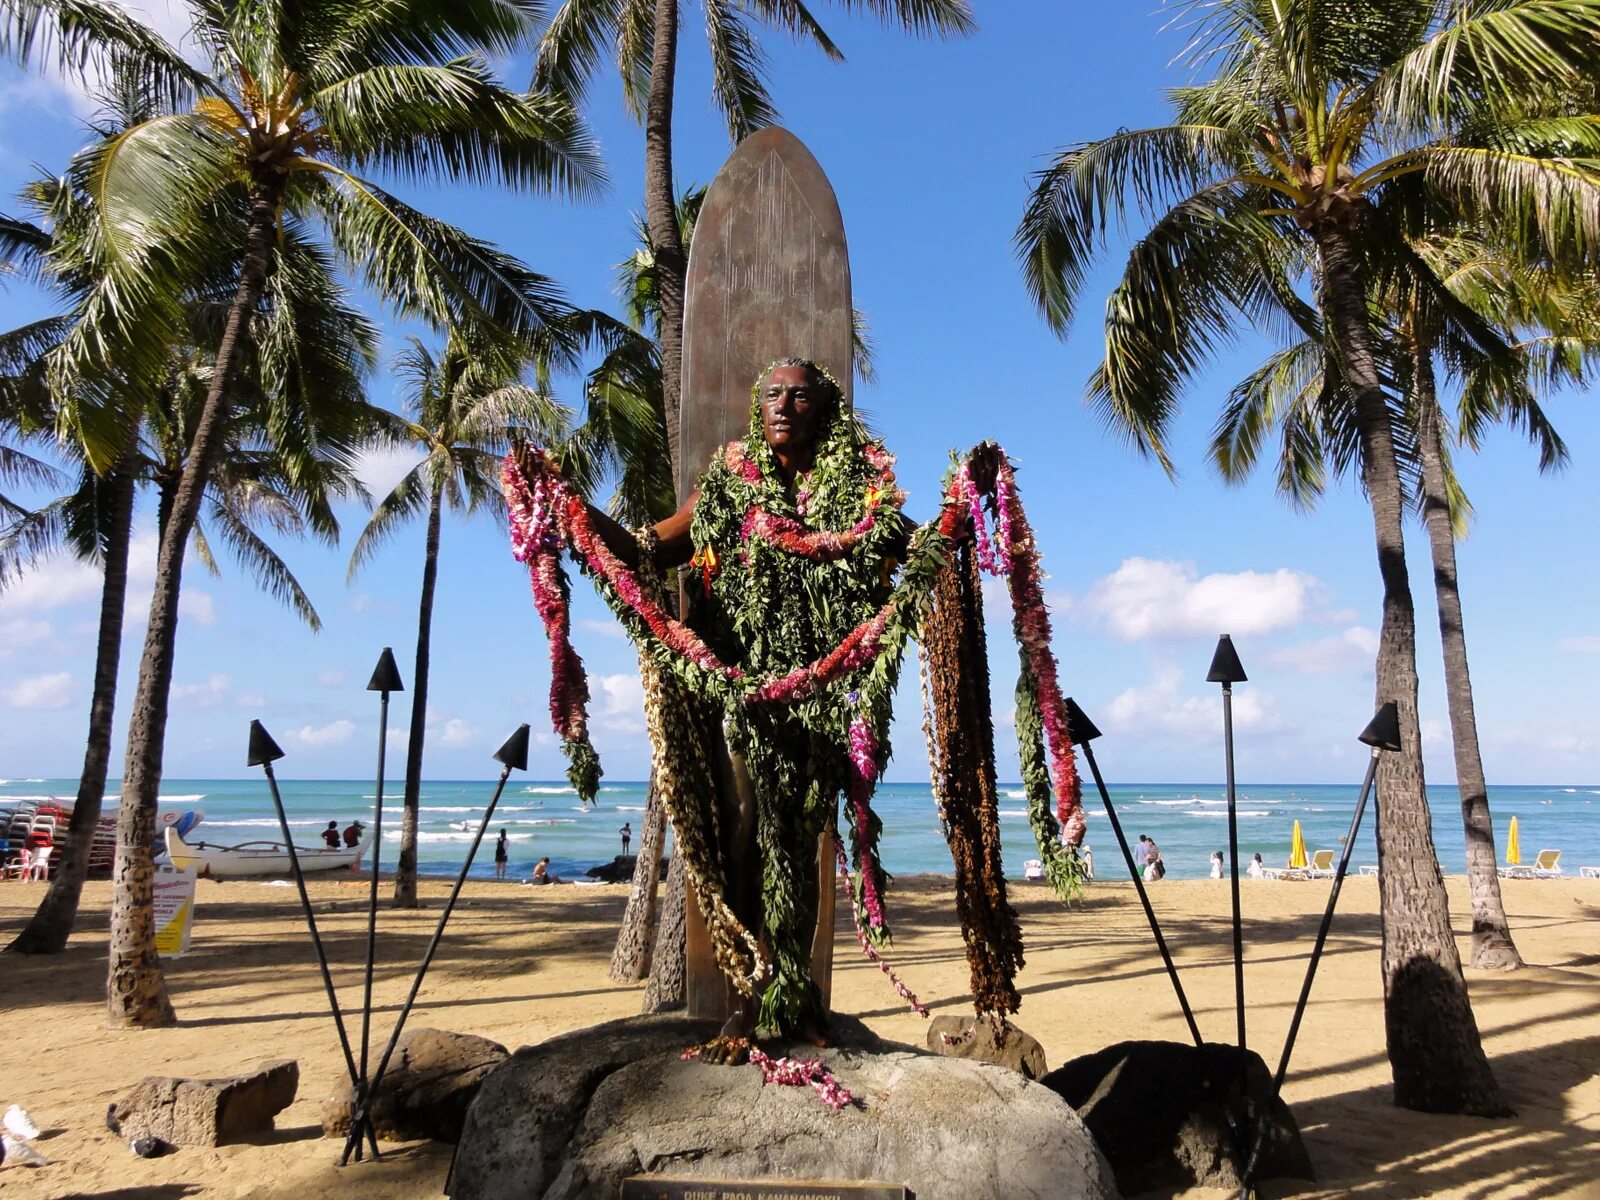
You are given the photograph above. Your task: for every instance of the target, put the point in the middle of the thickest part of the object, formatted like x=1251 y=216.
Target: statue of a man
x=790 y=543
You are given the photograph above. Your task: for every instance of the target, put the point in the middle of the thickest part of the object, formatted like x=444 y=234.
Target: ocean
x=1187 y=821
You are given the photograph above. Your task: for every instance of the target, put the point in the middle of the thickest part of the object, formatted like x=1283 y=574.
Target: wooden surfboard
x=769 y=277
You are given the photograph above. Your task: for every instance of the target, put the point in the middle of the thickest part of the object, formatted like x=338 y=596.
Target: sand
x=521 y=964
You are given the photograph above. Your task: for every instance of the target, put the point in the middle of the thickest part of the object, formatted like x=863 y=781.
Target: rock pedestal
x=575 y=1116
x=966 y=1037
x=205 y=1112
x=1145 y=1103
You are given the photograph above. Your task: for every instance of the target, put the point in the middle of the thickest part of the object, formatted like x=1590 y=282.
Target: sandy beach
x=521 y=964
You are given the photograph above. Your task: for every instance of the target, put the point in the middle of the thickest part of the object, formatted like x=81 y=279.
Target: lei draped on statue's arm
x=548 y=516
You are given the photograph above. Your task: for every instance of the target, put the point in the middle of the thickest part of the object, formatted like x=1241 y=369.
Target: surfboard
x=769 y=277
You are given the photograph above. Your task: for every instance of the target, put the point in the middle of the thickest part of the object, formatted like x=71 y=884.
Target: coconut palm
x=294 y=101
x=281 y=465
x=642 y=36
x=1267 y=174
x=464 y=405
x=1506 y=331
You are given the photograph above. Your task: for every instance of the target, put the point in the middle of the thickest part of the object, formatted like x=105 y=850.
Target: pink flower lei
x=546 y=512
x=794 y=536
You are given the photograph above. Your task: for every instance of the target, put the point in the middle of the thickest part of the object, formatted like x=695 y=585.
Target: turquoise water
x=545 y=818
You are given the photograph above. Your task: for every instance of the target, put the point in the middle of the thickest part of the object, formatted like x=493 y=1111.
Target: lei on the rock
x=795 y=632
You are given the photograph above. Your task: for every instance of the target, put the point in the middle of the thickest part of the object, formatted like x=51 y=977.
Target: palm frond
x=737 y=65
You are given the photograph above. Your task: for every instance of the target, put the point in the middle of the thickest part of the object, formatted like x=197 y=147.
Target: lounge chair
x=1033 y=870
x=1277 y=873
x=1589 y=872
x=1368 y=868
x=1321 y=865
x=39 y=868
x=1547 y=865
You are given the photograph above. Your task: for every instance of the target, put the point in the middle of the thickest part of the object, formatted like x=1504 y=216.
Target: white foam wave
x=165 y=799
x=550 y=791
x=1243 y=812
x=454 y=837
x=447 y=808
x=1013 y=812
x=630 y=808
x=545 y=821
x=386 y=796
x=247 y=824
x=1016 y=793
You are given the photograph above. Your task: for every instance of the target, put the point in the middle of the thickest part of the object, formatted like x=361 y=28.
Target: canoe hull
x=223 y=862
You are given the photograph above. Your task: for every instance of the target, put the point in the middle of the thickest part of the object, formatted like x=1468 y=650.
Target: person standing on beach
x=501 y=856
x=1216 y=864
x=627 y=835
x=352 y=834
x=330 y=835
x=1141 y=852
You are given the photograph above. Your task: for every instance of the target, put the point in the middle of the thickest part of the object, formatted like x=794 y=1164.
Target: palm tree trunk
x=47 y=932
x=632 y=952
x=630 y=958
x=1435 y=1052
x=661 y=216
x=668 y=985
x=405 y=874
x=1492 y=947
x=136 y=992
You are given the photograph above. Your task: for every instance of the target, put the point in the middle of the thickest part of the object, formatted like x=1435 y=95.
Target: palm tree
x=1268 y=173
x=274 y=468
x=291 y=105
x=1507 y=330
x=465 y=404
x=643 y=36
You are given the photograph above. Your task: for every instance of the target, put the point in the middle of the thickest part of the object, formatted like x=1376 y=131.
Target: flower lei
x=794 y=1072
x=754 y=545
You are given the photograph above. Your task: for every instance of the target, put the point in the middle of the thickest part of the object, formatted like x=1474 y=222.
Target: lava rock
x=1147 y=1106
x=575 y=1116
x=620 y=869
x=969 y=1038
x=427 y=1089
x=205 y=1112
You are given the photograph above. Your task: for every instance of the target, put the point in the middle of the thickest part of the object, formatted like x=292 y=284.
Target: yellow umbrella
x=1297 y=848
x=1513 y=845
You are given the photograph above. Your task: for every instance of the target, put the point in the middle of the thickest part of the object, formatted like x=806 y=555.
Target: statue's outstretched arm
x=673 y=545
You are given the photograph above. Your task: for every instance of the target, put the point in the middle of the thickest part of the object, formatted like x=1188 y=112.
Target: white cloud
x=624 y=703
x=166 y=17
x=380 y=470
x=22 y=634
x=1152 y=598
x=1159 y=708
x=251 y=700
x=607 y=629
x=1355 y=649
x=1586 y=644
x=330 y=679
x=201 y=695
x=199 y=607
x=457 y=732
x=40 y=691
x=335 y=733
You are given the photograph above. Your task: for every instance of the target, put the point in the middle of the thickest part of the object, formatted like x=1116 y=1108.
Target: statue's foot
x=724 y=1051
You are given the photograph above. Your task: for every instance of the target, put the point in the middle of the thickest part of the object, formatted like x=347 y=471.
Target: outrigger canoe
x=257 y=858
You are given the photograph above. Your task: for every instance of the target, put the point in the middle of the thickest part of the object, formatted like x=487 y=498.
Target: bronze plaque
x=660 y=1187
x=769 y=276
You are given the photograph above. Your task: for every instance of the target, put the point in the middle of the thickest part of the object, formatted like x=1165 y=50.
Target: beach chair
x=1589 y=872
x=39 y=867
x=1368 y=868
x=1280 y=873
x=16 y=866
x=1033 y=870
x=1547 y=865
x=1321 y=865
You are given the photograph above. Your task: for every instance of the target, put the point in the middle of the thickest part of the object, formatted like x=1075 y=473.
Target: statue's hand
x=983 y=465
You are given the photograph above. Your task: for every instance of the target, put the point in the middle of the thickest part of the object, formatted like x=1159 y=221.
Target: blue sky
x=929 y=146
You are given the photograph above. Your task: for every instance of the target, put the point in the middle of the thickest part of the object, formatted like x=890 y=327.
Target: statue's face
x=791 y=405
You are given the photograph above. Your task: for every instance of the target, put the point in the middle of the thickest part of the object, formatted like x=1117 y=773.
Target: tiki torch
x=513 y=755
x=385 y=679
x=1226 y=670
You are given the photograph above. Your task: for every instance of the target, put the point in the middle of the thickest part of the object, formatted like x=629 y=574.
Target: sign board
x=173 y=906
x=661 y=1187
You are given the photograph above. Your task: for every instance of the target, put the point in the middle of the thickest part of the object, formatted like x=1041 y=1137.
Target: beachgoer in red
x=330 y=835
